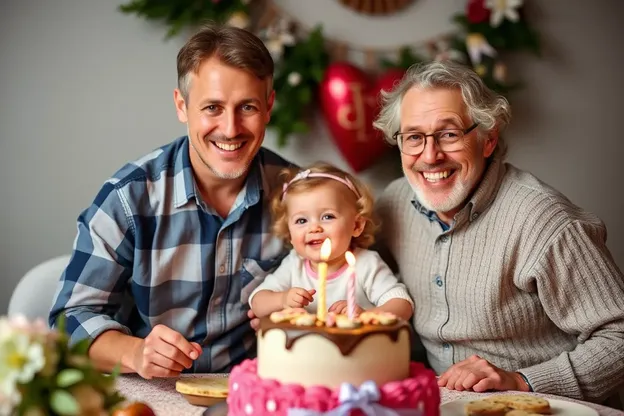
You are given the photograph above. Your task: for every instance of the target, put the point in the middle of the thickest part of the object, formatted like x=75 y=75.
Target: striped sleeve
x=91 y=288
x=582 y=291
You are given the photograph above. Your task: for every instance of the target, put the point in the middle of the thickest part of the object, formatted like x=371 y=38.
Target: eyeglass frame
x=464 y=133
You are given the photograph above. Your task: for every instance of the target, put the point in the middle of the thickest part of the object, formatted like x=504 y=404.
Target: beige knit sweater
x=523 y=279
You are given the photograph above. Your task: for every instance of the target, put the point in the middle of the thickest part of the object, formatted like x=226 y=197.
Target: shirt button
x=446 y=346
x=438 y=281
x=444 y=238
x=221 y=268
x=475 y=215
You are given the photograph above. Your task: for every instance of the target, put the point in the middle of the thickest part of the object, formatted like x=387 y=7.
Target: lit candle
x=350 y=285
x=321 y=311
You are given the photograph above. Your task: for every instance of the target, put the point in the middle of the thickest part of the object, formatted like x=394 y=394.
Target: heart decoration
x=350 y=101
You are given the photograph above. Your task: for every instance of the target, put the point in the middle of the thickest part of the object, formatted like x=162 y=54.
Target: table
x=163 y=398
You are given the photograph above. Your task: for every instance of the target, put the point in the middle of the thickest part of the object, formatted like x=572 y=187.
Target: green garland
x=181 y=14
x=307 y=58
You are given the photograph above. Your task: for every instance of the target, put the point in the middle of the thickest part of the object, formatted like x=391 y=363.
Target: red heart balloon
x=350 y=102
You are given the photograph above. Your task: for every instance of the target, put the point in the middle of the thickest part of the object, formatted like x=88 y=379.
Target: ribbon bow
x=365 y=399
x=301 y=175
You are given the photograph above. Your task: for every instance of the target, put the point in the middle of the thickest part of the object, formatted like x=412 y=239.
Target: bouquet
x=40 y=374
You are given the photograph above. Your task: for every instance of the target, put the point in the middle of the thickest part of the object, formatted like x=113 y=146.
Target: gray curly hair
x=487 y=108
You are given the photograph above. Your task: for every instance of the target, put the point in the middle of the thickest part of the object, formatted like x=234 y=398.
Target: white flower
x=294 y=79
x=477 y=46
x=20 y=358
x=276 y=37
x=501 y=9
x=239 y=20
x=9 y=395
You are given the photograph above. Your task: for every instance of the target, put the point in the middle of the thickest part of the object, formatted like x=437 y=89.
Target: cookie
x=307 y=319
x=343 y=321
x=483 y=408
x=524 y=402
x=216 y=387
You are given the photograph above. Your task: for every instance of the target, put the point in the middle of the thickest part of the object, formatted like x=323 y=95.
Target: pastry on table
x=203 y=391
x=526 y=402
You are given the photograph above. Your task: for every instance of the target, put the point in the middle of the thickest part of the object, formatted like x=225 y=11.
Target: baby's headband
x=307 y=174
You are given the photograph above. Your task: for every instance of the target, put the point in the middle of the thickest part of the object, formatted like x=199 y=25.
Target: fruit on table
x=134 y=409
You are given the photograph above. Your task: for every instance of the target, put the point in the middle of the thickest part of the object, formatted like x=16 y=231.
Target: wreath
x=487 y=31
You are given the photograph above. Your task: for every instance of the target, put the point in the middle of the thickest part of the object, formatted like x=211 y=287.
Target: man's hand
x=477 y=374
x=340 y=307
x=297 y=297
x=164 y=353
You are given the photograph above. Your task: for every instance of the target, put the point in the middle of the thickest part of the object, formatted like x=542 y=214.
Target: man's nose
x=232 y=127
x=431 y=153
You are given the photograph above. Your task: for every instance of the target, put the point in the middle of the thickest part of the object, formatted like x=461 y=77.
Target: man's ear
x=490 y=142
x=180 y=105
x=360 y=223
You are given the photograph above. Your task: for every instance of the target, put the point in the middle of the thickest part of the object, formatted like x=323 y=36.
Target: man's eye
x=448 y=134
x=211 y=108
x=248 y=108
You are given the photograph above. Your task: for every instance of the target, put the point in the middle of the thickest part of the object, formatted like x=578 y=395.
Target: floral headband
x=307 y=174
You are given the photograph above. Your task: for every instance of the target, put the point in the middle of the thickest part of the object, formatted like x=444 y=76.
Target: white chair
x=34 y=293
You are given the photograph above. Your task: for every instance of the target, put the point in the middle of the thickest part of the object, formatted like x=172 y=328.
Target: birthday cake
x=306 y=365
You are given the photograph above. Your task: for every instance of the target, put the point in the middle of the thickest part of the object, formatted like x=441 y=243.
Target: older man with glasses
x=514 y=287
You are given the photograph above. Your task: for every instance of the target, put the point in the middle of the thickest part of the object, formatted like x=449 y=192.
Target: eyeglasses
x=412 y=143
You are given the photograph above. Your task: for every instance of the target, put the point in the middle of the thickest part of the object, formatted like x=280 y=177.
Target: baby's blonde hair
x=364 y=204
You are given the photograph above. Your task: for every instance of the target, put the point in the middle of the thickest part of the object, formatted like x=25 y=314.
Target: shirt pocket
x=253 y=273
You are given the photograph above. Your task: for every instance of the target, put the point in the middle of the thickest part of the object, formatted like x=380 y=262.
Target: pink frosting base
x=252 y=395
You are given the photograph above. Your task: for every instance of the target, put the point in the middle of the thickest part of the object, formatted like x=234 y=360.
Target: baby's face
x=326 y=211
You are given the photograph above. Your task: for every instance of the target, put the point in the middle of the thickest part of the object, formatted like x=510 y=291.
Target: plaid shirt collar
x=185 y=189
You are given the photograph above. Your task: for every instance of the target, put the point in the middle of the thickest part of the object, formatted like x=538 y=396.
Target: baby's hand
x=297 y=297
x=340 y=308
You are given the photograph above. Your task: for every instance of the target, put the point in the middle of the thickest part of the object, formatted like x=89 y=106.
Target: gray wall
x=85 y=88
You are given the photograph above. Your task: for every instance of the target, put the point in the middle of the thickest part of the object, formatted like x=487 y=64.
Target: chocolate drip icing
x=345 y=339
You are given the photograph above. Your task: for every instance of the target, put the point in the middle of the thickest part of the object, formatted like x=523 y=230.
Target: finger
x=469 y=381
x=343 y=311
x=198 y=348
x=444 y=378
x=251 y=314
x=304 y=294
x=255 y=324
x=176 y=339
x=493 y=380
x=301 y=300
x=167 y=363
x=453 y=377
x=312 y=292
x=164 y=348
x=333 y=307
x=461 y=377
x=485 y=384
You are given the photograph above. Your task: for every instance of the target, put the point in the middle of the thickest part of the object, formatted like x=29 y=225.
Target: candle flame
x=325 y=249
x=350 y=258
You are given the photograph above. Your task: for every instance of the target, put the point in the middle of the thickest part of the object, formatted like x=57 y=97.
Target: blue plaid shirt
x=149 y=251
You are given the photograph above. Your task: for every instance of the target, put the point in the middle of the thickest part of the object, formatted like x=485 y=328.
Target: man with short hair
x=174 y=243
x=513 y=285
